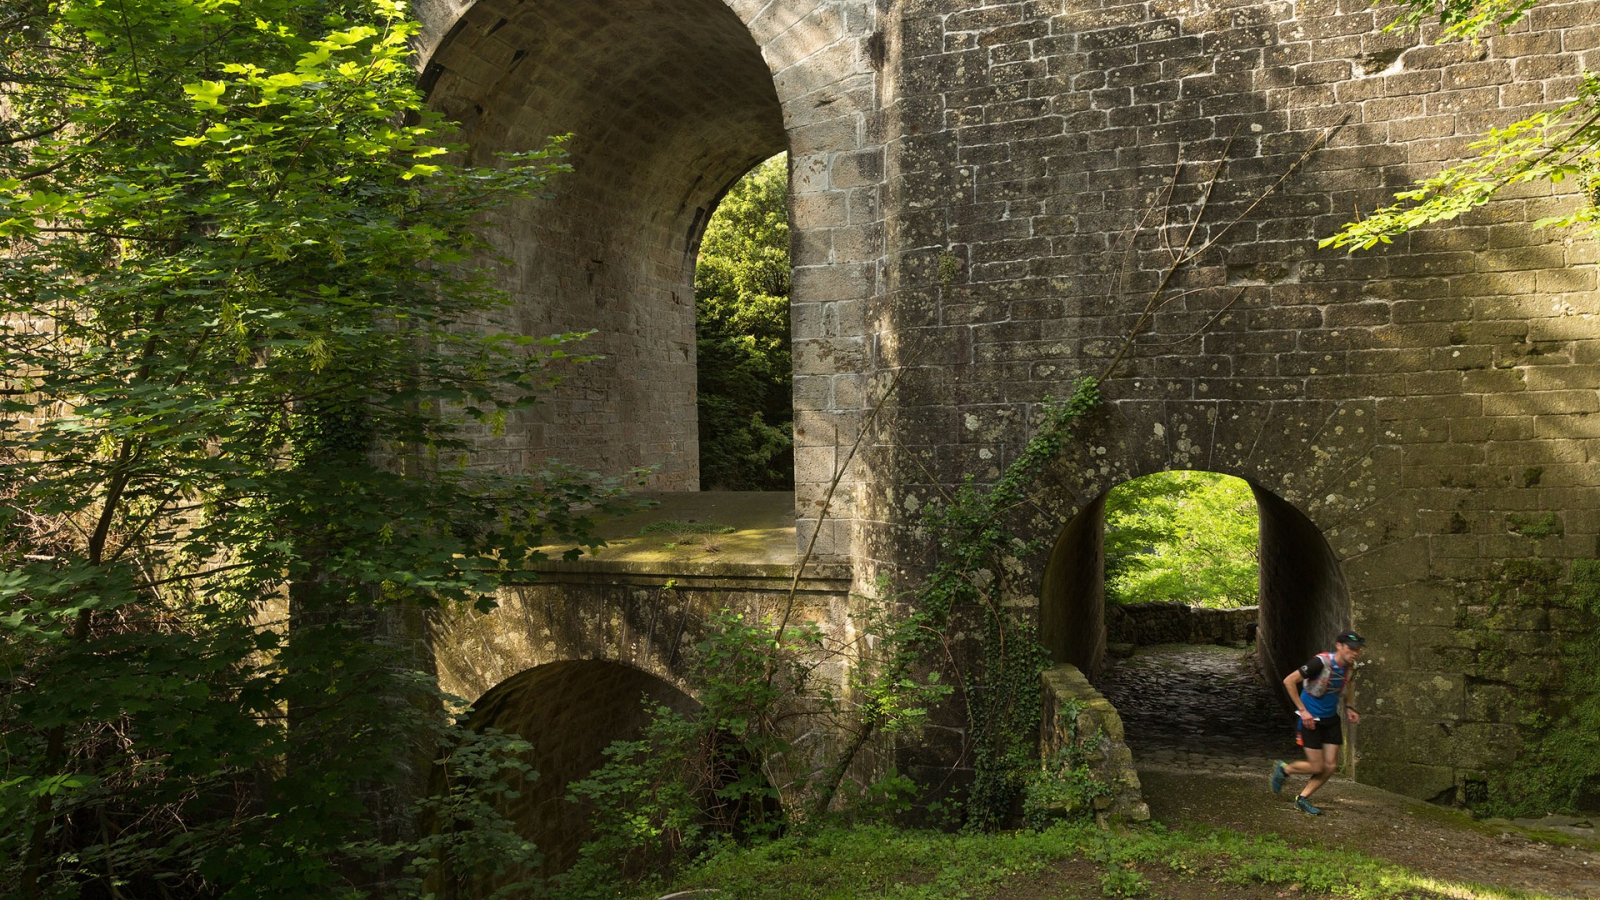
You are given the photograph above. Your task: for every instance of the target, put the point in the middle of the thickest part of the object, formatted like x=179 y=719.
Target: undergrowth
x=1063 y=787
x=878 y=863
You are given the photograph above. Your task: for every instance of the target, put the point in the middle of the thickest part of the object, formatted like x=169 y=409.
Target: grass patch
x=673 y=526
x=881 y=863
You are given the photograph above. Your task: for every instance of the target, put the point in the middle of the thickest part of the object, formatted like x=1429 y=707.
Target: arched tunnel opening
x=570 y=712
x=1186 y=677
x=667 y=103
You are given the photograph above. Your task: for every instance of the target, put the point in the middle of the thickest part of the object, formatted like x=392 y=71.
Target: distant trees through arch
x=1301 y=592
x=745 y=369
x=1189 y=537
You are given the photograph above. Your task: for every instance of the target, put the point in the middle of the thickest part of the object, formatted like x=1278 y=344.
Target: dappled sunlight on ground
x=1445 y=848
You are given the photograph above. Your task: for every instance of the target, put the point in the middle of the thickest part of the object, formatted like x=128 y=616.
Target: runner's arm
x=1292 y=683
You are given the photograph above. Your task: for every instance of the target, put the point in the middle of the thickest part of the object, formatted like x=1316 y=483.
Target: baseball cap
x=1350 y=638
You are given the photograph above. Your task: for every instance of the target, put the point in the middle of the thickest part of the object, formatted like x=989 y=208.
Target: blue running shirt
x=1326 y=706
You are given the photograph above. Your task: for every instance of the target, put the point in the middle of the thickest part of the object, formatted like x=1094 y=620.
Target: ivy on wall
x=1001 y=680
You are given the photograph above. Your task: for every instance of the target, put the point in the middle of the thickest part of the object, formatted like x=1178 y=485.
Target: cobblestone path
x=1183 y=703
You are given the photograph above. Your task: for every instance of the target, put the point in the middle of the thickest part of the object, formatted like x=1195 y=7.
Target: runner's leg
x=1311 y=765
x=1328 y=759
x=1310 y=740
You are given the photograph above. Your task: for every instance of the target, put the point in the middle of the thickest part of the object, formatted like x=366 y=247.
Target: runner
x=1316 y=689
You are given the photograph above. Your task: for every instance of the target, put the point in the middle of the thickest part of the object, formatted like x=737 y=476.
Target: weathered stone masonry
x=966 y=181
x=1397 y=399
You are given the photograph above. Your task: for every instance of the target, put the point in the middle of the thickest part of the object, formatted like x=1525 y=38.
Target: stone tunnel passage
x=668 y=103
x=1223 y=699
x=1195 y=697
x=570 y=712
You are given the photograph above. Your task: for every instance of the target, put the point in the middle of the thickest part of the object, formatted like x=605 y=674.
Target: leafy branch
x=1547 y=146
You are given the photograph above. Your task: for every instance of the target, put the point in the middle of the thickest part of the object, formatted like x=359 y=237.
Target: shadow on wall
x=570 y=711
x=1303 y=598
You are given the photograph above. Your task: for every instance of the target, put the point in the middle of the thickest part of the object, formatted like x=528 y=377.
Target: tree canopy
x=1189 y=537
x=746 y=372
x=239 y=393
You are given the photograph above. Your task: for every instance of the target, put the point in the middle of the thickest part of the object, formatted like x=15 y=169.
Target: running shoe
x=1305 y=806
x=1277 y=777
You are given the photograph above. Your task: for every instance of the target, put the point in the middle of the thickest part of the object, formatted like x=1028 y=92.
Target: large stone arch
x=613 y=617
x=572 y=664
x=1320 y=498
x=1431 y=409
x=668 y=103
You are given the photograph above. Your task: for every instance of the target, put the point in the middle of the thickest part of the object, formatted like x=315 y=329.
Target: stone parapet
x=1075 y=714
x=1178 y=623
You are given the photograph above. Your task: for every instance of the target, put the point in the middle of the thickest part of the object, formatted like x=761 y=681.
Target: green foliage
x=696 y=782
x=1063 y=787
x=949 y=268
x=465 y=836
x=1189 y=537
x=870 y=863
x=1534 y=526
x=1559 y=768
x=236 y=417
x=692 y=780
x=1123 y=882
x=1461 y=18
x=645 y=811
x=746 y=373
x=1550 y=145
x=874 y=861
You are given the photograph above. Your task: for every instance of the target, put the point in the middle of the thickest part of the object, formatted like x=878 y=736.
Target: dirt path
x=1441 y=843
x=1204 y=733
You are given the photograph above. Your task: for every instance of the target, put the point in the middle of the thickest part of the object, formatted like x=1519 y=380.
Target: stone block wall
x=1054 y=166
x=668 y=104
x=1178 y=623
x=992 y=200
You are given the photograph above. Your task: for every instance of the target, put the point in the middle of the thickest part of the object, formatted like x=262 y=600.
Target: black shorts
x=1326 y=733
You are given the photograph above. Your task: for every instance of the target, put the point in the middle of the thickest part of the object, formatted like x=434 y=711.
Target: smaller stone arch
x=570 y=711
x=1304 y=600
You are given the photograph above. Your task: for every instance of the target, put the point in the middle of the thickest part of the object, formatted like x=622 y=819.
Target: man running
x=1316 y=689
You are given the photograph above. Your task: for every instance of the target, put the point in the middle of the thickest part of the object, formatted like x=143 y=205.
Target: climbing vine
x=1002 y=688
x=961 y=595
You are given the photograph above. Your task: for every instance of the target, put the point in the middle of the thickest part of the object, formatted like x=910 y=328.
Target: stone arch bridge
x=997 y=198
